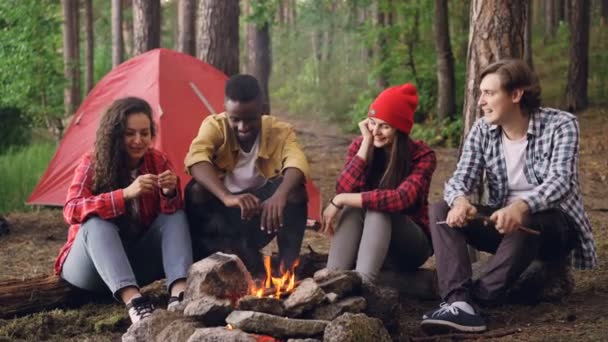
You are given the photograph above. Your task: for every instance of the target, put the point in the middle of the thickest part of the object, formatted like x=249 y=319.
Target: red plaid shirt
x=409 y=198
x=81 y=204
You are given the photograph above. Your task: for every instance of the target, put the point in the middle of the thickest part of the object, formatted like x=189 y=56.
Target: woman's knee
x=98 y=225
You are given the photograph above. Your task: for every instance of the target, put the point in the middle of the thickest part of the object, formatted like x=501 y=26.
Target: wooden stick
x=486 y=221
x=465 y=336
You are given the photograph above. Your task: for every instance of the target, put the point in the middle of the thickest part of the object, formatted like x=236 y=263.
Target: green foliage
x=15 y=129
x=446 y=132
x=31 y=77
x=21 y=168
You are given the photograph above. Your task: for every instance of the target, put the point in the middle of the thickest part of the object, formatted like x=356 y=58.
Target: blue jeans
x=99 y=260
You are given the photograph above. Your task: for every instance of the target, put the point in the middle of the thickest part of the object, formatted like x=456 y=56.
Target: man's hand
x=272 y=213
x=509 y=218
x=143 y=184
x=249 y=204
x=460 y=213
x=167 y=181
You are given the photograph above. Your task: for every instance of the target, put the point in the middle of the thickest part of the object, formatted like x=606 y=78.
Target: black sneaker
x=430 y=312
x=450 y=318
x=140 y=308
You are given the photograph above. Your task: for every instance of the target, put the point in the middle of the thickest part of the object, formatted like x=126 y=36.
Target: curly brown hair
x=111 y=158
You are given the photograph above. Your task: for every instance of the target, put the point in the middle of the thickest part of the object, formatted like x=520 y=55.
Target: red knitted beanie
x=396 y=105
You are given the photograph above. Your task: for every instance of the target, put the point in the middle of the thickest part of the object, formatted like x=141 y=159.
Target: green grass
x=20 y=170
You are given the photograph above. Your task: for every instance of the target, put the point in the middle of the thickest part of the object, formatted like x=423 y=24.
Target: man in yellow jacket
x=248 y=181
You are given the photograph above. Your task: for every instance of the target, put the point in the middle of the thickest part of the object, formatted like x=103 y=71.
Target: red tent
x=182 y=91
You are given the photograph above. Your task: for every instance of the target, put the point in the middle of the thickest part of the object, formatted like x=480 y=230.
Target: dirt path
x=35 y=238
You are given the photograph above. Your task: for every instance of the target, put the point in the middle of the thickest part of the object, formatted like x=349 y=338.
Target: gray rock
x=269 y=305
x=220 y=334
x=354 y=328
x=220 y=275
x=148 y=328
x=306 y=296
x=342 y=283
x=178 y=331
x=542 y=281
x=331 y=311
x=382 y=303
x=303 y=340
x=209 y=310
x=421 y=283
x=331 y=297
x=279 y=327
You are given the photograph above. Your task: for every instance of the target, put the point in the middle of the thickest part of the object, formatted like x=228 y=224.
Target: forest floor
x=35 y=238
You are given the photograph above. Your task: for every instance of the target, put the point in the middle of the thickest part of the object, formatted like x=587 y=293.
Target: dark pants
x=512 y=252
x=215 y=227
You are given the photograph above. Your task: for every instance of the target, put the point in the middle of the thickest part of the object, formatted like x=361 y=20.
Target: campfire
x=223 y=303
x=275 y=286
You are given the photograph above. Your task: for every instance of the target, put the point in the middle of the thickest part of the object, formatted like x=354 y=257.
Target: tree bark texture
x=146 y=25
x=446 y=102
x=117 y=41
x=497 y=31
x=384 y=20
x=186 y=20
x=528 y=38
x=550 y=19
x=71 y=56
x=89 y=76
x=19 y=297
x=218 y=34
x=578 y=69
x=259 y=58
x=604 y=12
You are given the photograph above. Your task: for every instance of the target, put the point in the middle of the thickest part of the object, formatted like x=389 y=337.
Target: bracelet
x=335 y=205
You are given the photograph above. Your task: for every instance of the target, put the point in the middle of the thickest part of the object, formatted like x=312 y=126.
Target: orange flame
x=285 y=283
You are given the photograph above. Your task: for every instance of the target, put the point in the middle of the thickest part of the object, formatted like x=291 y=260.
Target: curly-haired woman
x=125 y=210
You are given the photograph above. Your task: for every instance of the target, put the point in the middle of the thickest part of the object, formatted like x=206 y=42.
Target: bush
x=15 y=130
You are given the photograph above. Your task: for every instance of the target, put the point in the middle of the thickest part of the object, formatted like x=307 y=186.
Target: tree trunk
x=578 y=69
x=146 y=25
x=604 y=12
x=496 y=32
x=559 y=10
x=550 y=19
x=384 y=20
x=71 y=56
x=89 y=76
x=528 y=38
x=446 y=102
x=186 y=20
x=259 y=59
x=218 y=34
x=20 y=297
x=117 y=42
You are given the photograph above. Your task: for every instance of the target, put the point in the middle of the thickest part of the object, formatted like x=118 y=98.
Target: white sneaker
x=140 y=308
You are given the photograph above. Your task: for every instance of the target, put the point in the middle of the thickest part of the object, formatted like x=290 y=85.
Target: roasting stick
x=487 y=222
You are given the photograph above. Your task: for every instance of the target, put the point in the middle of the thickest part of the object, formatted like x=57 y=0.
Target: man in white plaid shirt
x=529 y=155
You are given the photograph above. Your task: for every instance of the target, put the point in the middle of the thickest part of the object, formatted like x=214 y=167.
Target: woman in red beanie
x=382 y=192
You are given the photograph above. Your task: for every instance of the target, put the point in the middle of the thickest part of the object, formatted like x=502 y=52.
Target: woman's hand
x=327 y=219
x=366 y=133
x=167 y=181
x=143 y=184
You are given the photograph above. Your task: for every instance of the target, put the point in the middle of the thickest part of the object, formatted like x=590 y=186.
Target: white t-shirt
x=245 y=175
x=515 y=156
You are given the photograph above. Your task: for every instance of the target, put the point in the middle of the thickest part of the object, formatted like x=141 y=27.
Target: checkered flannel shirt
x=409 y=198
x=551 y=166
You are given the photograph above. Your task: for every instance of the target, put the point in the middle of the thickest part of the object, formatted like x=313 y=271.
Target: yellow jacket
x=216 y=143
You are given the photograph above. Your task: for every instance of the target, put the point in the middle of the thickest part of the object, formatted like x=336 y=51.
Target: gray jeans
x=99 y=260
x=363 y=240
